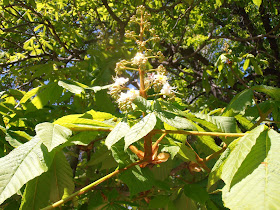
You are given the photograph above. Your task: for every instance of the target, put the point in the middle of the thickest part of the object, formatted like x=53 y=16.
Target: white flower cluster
x=139 y=59
x=160 y=83
x=120 y=66
x=167 y=90
x=117 y=87
x=125 y=99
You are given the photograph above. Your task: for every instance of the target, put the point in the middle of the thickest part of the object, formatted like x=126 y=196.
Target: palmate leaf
x=21 y=165
x=140 y=129
x=255 y=185
x=52 y=135
x=51 y=186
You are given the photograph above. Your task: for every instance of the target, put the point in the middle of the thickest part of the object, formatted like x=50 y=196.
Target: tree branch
x=90 y=186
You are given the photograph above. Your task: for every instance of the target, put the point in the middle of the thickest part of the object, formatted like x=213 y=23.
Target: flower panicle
x=153 y=78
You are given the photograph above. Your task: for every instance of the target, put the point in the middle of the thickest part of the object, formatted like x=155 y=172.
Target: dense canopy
x=200 y=74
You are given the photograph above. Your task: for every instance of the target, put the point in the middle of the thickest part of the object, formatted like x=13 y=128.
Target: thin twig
x=90 y=186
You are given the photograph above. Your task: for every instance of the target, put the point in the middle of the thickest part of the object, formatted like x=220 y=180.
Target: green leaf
x=142 y=103
x=6 y=2
x=257 y=178
x=137 y=179
x=83 y=138
x=196 y=192
x=70 y=87
x=257 y=2
x=77 y=119
x=21 y=165
x=239 y=153
x=256 y=67
x=172 y=150
x=183 y=202
x=52 y=135
x=140 y=129
x=161 y=173
x=20 y=135
x=99 y=156
x=38 y=27
x=179 y=137
x=239 y=103
x=217 y=169
x=121 y=157
x=175 y=121
x=161 y=105
x=98 y=88
x=219 y=3
x=271 y=91
x=247 y=124
x=92 y=114
x=246 y=64
x=117 y=133
x=186 y=153
x=104 y=102
x=51 y=186
x=224 y=124
x=206 y=143
x=49 y=94
x=159 y=201
x=31 y=93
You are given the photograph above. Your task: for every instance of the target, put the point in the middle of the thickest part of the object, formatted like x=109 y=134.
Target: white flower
x=139 y=59
x=167 y=90
x=120 y=66
x=119 y=81
x=149 y=80
x=130 y=95
x=116 y=87
x=160 y=78
x=122 y=98
x=125 y=99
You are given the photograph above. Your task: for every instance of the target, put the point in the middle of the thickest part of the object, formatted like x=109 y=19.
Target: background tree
x=58 y=57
